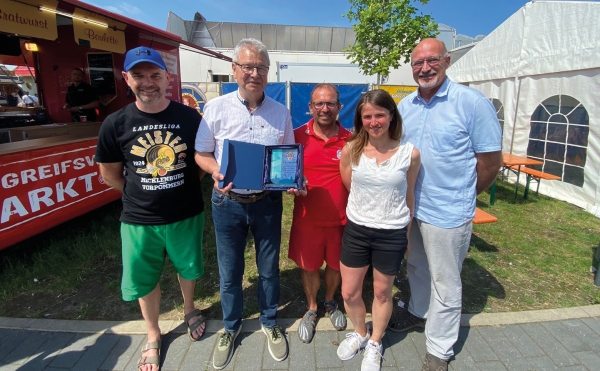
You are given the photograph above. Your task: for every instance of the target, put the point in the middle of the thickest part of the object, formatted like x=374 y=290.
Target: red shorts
x=310 y=246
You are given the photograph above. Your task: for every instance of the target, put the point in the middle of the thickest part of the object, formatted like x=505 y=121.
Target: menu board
x=102 y=75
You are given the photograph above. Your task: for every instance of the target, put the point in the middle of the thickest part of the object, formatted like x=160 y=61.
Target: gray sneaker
x=338 y=319
x=224 y=349
x=307 y=326
x=404 y=321
x=352 y=345
x=278 y=346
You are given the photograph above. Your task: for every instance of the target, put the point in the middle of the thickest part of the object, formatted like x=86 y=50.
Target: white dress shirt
x=227 y=117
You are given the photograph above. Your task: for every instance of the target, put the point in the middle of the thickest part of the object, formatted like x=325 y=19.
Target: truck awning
x=144 y=28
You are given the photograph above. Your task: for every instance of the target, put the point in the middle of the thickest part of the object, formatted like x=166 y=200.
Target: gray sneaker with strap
x=338 y=319
x=277 y=342
x=307 y=326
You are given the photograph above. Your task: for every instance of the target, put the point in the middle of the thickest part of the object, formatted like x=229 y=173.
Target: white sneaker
x=372 y=357
x=352 y=345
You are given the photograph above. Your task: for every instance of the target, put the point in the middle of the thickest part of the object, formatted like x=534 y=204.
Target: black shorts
x=382 y=248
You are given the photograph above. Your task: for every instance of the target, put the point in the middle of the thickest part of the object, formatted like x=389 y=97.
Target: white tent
x=541 y=69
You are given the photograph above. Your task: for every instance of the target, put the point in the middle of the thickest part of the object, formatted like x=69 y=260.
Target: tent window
x=499 y=112
x=538 y=131
x=558 y=136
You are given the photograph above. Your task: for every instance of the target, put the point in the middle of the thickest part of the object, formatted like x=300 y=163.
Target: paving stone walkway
x=567 y=344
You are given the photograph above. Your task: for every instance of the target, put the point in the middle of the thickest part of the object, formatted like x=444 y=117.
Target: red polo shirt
x=325 y=203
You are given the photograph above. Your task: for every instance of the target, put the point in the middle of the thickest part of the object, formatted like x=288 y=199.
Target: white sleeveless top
x=378 y=192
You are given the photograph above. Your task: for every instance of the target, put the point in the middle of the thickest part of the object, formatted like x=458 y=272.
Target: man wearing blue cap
x=153 y=140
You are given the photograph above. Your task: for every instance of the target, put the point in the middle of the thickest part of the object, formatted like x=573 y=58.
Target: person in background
x=82 y=98
x=246 y=115
x=457 y=132
x=14 y=99
x=29 y=100
x=380 y=173
x=319 y=217
x=163 y=210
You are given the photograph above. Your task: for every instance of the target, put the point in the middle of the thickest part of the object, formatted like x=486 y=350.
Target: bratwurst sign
x=25 y=19
x=41 y=189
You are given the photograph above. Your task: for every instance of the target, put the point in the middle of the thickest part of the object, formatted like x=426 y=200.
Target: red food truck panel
x=42 y=188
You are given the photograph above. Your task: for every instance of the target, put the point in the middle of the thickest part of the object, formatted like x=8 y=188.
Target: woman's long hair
x=360 y=137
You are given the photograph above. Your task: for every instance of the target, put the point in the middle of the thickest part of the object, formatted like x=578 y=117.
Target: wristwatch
x=80 y=108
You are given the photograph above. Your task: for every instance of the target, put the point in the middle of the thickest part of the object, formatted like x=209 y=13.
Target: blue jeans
x=232 y=221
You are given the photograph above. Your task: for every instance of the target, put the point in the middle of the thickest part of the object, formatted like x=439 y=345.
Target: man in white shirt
x=246 y=115
x=30 y=100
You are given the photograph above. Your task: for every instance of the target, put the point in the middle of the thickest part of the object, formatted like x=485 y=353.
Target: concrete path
x=562 y=339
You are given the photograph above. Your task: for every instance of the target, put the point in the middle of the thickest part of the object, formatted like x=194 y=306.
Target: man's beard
x=149 y=100
x=432 y=83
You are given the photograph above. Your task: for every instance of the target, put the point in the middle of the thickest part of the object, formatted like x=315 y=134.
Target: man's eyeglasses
x=431 y=61
x=321 y=105
x=247 y=69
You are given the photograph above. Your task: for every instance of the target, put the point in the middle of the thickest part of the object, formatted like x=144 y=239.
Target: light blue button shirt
x=457 y=123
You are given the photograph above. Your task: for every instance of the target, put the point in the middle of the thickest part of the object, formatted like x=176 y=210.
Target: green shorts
x=145 y=247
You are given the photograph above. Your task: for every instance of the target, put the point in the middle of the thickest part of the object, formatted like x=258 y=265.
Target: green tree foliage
x=386 y=32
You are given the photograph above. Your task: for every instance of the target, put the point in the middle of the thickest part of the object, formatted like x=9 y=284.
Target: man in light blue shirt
x=457 y=132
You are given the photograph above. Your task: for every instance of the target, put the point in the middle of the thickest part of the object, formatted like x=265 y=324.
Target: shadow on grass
x=481 y=244
x=478 y=286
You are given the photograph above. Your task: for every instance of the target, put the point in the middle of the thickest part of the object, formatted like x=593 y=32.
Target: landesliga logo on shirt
x=339 y=154
x=160 y=154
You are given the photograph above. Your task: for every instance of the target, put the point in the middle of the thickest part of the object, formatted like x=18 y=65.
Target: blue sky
x=468 y=17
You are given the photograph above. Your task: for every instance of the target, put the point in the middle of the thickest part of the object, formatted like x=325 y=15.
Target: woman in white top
x=380 y=174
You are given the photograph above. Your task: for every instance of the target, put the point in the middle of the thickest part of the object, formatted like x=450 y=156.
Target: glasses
x=321 y=105
x=431 y=61
x=247 y=69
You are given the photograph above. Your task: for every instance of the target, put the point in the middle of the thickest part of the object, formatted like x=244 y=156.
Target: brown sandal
x=152 y=360
x=191 y=328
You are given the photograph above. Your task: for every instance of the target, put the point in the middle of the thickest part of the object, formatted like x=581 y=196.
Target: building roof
x=225 y=35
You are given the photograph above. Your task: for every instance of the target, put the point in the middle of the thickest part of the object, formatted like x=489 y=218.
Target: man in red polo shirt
x=320 y=216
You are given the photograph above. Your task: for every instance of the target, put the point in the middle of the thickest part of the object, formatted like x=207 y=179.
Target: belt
x=248 y=199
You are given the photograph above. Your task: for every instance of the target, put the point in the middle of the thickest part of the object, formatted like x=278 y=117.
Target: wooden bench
x=536 y=175
x=481 y=217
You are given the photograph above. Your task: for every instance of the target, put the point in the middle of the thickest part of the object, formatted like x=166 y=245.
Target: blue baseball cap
x=143 y=54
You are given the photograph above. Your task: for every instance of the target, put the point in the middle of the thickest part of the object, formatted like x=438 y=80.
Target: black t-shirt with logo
x=162 y=183
x=81 y=95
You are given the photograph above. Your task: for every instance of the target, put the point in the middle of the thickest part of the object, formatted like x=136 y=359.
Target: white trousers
x=434 y=264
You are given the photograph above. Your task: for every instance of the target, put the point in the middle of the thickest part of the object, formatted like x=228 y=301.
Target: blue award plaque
x=257 y=167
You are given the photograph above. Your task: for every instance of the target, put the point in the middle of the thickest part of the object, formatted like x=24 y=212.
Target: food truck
x=47 y=172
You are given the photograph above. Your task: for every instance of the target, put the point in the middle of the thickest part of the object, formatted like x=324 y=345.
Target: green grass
x=537 y=256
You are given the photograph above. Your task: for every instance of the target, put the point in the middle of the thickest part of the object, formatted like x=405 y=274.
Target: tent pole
x=514 y=128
